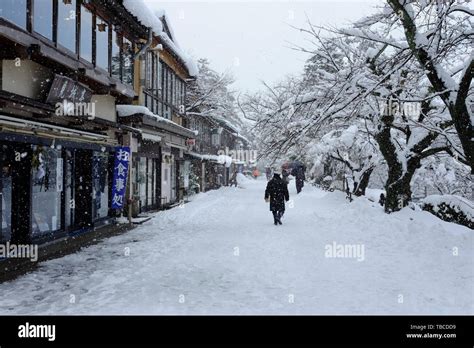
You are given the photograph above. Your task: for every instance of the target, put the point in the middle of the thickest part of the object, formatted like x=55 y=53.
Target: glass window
x=156 y=198
x=163 y=77
x=156 y=76
x=149 y=179
x=141 y=180
x=5 y=195
x=102 y=40
x=14 y=11
x=183 y=93
x=160 y=109
x=47 y=177
x=176 y=82
x=168 y=86
x=69 y=189
x=160 y=77
x=127 y=62
x=100 y=184
x=43 y=18
x=116 y=44
x=86 y=34
x=67 y=24
x=148 y=70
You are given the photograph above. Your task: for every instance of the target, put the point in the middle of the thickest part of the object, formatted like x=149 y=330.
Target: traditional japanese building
x=64 y=65
x=160 y=170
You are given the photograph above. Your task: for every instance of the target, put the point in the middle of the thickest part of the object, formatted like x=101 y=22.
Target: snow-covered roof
x=151 y=19
x=225 y=123
x=240 y=136
x=222 y=159
x=129 y=110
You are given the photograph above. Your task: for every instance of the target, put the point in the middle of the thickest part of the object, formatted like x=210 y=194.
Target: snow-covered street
x=221 y=254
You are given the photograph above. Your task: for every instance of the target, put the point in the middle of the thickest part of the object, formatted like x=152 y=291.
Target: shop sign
x=64 y=88
x=119 y=185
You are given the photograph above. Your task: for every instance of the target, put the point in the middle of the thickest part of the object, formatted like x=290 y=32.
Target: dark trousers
x=299 y=185
x=277 y=214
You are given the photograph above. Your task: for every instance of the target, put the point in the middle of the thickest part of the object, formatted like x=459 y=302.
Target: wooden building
x=64 y=65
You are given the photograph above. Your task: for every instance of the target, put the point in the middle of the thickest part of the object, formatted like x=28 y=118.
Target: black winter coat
x=277 y=191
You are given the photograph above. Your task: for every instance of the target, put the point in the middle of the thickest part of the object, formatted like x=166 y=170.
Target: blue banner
x=119 y=185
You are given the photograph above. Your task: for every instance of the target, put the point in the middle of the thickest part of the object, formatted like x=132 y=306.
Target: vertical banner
x=119 y=185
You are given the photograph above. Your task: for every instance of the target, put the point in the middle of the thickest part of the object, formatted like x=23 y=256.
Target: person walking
x=268 y=173
x=277 y=193
x=233 y=179
x=298 y=173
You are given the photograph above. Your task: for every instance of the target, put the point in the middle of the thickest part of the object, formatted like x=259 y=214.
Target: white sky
x=251 y=38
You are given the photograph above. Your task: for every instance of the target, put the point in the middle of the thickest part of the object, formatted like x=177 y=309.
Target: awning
x=151 y=137
x=181 y=147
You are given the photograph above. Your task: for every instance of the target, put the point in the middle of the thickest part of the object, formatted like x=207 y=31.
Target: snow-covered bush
x=450 y=208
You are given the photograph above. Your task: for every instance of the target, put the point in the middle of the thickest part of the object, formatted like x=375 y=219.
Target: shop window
x=155 y=181
x=102 y=40
x=5 y=194
x=67 y=24
x=47 y=177
x=43 y=18
x=69 y=189
x=149 y=183
x=142 y=178
x=14 y=11
x=100 y=185
x=86 y=34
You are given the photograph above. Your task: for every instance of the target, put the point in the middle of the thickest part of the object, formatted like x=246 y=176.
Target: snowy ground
x=221 y=254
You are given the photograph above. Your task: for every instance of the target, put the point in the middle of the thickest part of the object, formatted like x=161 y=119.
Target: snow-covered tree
x=211 y=95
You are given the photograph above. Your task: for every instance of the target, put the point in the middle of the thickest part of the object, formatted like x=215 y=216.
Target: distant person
x=233 y=179
x=256 y=173
x=299 y=174
x=285 y=174
x=268 y=173
x=277 y=193
x=382 y=199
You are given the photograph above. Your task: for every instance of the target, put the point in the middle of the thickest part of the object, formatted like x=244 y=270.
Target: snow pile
x=243 y=181
x=223 y=159
x=450 y=208
x=151 y=19
x=373 y=194
x=145 y=15
x=129 y=110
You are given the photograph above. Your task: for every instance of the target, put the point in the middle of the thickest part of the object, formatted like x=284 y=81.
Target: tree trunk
x=361 y=186
x=398 y=193
x=397 y=187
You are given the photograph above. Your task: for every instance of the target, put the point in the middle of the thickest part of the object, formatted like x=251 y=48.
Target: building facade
x=81 y=79
x=64 y=65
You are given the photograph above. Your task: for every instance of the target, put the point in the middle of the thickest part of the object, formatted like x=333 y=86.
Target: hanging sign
x=64 y=88
x=119 y=185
